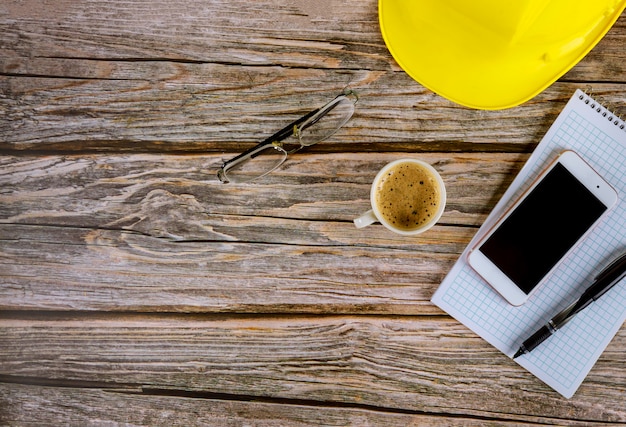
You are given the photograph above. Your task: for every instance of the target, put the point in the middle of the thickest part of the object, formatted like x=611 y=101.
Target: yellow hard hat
x=492 y=54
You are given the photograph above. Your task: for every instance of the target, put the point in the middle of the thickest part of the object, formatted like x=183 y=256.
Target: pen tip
x=519 y=353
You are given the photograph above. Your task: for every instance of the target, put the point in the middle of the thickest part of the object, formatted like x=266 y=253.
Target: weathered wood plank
x=139 y=229
x=237 y=32
x=60 y=268
x=134 y=192
x=155 y=113
x=431 y=365
x=44 y=405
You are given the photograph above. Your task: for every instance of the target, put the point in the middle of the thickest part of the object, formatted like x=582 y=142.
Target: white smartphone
x=521 y=250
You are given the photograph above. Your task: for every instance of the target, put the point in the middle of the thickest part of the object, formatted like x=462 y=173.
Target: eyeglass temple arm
x=330 y=106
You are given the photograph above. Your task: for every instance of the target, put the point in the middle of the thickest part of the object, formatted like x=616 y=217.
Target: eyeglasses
x=310 y=129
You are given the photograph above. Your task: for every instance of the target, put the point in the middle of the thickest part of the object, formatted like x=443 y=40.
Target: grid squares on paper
x=565 y=359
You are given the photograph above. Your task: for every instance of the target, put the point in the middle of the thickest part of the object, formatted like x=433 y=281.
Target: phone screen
x=541 y=230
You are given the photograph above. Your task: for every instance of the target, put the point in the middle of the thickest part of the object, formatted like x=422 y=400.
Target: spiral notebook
x=564 y=360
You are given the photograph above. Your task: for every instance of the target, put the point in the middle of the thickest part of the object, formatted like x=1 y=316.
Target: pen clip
x=612 y=268
x=611 y=275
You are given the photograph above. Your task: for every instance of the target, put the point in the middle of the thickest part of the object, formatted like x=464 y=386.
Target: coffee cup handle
x=366 y=219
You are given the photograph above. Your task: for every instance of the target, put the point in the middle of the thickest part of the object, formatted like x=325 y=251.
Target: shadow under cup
x=407 y=196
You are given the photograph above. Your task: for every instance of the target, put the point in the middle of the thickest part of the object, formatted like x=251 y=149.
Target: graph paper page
x=564 y=360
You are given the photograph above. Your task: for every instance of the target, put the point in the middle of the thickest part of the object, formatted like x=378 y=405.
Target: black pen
x=604 y=281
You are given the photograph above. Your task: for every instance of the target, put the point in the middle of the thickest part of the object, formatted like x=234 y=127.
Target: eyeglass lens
x=260 y=163
x=326 y=122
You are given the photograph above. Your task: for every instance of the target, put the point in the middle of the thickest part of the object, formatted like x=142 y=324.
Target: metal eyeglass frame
x=292 y=129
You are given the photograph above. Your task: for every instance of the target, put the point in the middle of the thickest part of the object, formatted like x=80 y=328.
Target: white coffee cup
x=418 y=203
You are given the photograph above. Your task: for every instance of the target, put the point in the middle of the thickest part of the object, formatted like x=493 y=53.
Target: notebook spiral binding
x=606 y=110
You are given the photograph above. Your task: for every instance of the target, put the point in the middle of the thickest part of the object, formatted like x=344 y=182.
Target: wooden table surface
x=136 y=289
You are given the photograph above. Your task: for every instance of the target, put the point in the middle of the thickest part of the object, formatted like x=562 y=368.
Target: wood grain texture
x=163 y=226
x=409 y=363
x=137 y=290
x=28 y=404
x=135 y=115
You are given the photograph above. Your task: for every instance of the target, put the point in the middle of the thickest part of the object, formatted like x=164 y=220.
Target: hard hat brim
x=489 y=54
